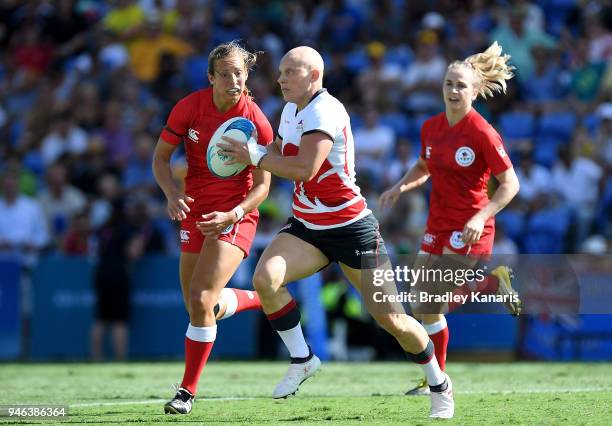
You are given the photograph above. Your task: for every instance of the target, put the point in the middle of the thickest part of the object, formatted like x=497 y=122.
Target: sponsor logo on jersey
x=228 y=229
x=502 y=151
x=427 y=152
x=455 y=240
x=464 y=156
x=428 y=239
x=300 y=126
x=360 y=253
x=193 y=135
x=184 y=236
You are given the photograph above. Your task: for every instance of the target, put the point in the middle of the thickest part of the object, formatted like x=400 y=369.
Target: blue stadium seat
x=516 y=125
x=400 y=55
x=558 y=124
x=557 y=13
x=357 y=60
x=356 y=121
x=398 y=122
x=417 y=123
x=513 y=222
x=546 y=231
x=196 y=68
x=546 y=149
x=591 y=122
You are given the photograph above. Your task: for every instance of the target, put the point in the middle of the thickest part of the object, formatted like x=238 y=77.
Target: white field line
x=151 y=401
x=528 y=391
x=238 y=398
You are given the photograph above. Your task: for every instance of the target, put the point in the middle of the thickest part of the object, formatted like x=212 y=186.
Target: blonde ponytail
x=491 y=68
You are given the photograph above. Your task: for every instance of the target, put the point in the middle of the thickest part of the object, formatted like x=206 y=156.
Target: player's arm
x=314 y=149
x=213 y=223
x=177 y=202
x=415 y=177
x=259 y=192
x=505 y=192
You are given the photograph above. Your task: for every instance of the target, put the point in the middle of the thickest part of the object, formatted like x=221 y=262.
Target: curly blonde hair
x=491 y=69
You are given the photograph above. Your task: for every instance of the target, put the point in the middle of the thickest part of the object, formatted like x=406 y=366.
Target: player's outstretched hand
x=236 y=151
x=178 y=206
x=388 y=198
x=212 y=224
x=473 y=229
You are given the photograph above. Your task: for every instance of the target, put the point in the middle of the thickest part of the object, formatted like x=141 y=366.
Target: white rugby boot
x=442 y=403
x=295 y=376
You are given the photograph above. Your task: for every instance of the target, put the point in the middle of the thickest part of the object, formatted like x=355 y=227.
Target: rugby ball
x=237 y=128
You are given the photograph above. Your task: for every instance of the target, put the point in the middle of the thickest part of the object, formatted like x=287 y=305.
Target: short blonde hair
x=491 y=69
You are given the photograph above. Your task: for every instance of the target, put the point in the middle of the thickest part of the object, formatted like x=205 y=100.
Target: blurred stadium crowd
x=86 y=86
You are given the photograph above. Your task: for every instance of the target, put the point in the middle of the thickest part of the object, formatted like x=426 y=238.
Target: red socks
x=198 y=344
x=438 y=333
x=247 y=299
x=237 y=300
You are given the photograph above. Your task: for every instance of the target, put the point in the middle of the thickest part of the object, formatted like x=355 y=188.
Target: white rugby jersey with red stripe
x=331 y=199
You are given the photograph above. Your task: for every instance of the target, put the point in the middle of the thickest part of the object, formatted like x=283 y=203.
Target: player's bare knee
x=264 y=283
x=202 y=301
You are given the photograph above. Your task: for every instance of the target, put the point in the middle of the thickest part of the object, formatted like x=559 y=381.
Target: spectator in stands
x=60 y=202
x=109 y=192
x=545 y=87
x=586 y=76
x=513 y=32
x=137 y=175
x=147 y=49
x=23 y=228
x=535 y=180
x=576 y=178
x=401 y=162
x=86 y=105
x=117 y=139
x=66 y=27
x=125 y=19
x=375 y=80
x=421 y=81
x=78 y=238
x=603 y=136
x=30 y=52
x=374 y=143
x=64 y=138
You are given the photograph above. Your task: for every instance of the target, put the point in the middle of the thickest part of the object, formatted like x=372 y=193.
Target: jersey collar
x=317 y=93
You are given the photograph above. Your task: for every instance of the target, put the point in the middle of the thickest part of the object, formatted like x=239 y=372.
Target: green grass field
x=364 y=393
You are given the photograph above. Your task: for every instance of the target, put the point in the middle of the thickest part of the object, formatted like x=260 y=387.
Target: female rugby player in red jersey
x=459 y=152
x=218 y=215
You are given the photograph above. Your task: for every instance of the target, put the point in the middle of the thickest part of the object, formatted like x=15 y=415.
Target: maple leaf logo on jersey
x=193 y=135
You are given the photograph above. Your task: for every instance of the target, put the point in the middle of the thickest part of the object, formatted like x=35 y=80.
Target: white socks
x=295 y=342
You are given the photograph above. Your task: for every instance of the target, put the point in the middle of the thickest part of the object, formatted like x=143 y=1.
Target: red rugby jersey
x=193 y=120
x=460 y=159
